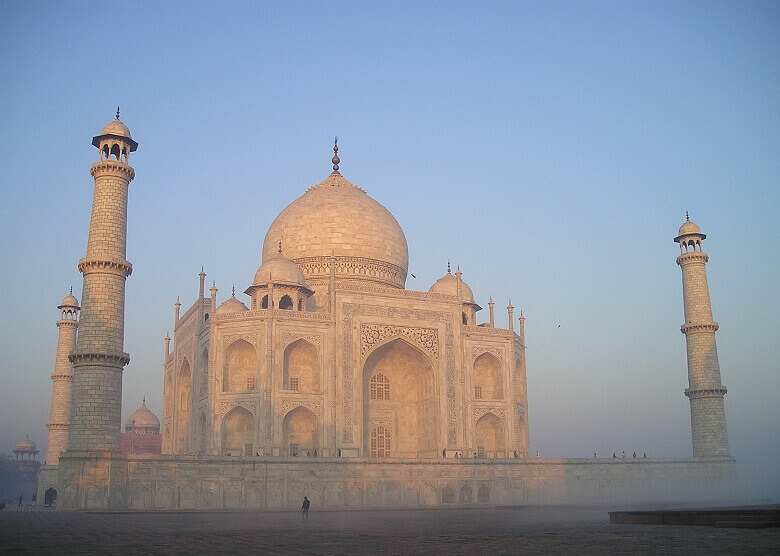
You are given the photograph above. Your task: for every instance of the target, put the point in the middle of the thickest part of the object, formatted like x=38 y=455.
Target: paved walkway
x=458 y=531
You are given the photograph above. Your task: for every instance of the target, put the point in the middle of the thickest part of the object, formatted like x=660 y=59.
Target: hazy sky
x=549 y=149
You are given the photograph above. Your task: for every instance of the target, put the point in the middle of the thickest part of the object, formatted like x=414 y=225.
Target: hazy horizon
x=549 y=150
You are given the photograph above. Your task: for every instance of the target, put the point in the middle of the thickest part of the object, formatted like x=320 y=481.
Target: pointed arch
x=408 y=407
x=240 y=367
x=488 y=383
x=183 y=401
x=301 y=371
x=489 y=436
x=238 y=432
x=300 y=432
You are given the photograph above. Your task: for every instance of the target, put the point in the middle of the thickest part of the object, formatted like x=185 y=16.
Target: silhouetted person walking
x=20 y=499
x=305 y=509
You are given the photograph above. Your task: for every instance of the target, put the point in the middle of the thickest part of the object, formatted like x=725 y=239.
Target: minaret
x=63 y=379
x=99 y=358
x=708 y=418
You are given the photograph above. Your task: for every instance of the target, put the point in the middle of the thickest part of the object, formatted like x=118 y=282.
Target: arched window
x=379 y=387
x=240 y=367
x=286 y=302
x=301 y=367
x=264 y=302
x=380 y=442
x=465 y=320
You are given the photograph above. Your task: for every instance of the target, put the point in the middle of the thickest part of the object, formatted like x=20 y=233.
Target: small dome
x=69 y=301
x=143 y=419
x=25 y=445
x=448 y=285
x=688 y=228
x=280 y=271
x=116 y=127
x=231 y=305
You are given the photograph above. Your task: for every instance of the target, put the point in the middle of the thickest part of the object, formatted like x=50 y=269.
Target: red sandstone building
x=142 y=433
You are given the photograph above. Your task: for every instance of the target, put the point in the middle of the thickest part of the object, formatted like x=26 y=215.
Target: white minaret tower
x=99 y=358
x=63 y=379
x=708 y=417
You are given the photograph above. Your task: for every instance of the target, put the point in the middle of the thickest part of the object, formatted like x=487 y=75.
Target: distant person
x=444 y=453
x=537 y=454
x=515 y=454
x=305 y=509
x=20 y=499
x=644 y=455
x=614 y=456
x=594 y=455
x=34 y=499
x=624 y=454
x=634 y=455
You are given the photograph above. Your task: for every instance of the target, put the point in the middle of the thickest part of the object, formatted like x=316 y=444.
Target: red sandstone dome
x=143 y=420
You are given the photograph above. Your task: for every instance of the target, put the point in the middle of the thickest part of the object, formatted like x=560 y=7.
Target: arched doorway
x=489 y=436
x=299 y=433
x=238 y=434
x=400 y=407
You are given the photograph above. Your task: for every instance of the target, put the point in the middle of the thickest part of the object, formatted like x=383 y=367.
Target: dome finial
x=117 y=112
x=71 y=290
x=144 y=401
x=686 y=217
x=449 y=269
x=234 y=290
x=336 y=158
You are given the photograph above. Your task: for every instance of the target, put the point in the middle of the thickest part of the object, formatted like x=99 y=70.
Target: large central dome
x=335 y=222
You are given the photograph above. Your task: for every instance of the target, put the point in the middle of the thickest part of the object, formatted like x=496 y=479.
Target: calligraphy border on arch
x=351 y=310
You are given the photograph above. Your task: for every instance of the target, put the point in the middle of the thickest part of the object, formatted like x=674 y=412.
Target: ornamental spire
x=117 y=112
x=336 y=158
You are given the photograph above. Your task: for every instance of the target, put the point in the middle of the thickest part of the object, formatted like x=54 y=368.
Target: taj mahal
x=331 y=380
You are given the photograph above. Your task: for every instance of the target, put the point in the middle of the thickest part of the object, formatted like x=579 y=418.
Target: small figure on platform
x=305 y=509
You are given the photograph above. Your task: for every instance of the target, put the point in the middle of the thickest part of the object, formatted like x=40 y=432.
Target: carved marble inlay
x=290 y=337
x=313 y=406
x=477 y=351
x=247 y=404
x=372 y=334
x=499 y=412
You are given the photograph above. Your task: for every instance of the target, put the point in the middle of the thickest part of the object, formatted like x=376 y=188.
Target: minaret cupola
x=115 y=141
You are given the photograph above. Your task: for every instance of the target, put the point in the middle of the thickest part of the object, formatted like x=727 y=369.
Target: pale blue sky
x=550 y=149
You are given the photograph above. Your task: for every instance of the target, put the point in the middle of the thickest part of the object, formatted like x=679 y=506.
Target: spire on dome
x=449 y=269
x=336 y=158
x=686 y=217
x=234 y=290
x=117 y=112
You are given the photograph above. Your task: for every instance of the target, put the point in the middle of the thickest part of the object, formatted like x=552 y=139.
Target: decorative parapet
x=487 y=331
x=693 y=256
x=97 y=358
x=394 y=292
x=122 y=268
x=696 y=328
x=706 y=392
x=277 y=313
x=114 y=167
